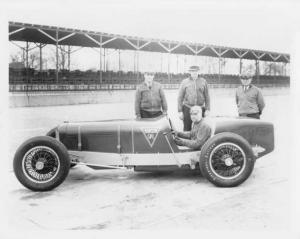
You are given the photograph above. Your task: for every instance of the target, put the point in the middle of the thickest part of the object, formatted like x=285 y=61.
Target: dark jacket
x=150 y=99
x=195 y=138
x=250 y=101
x=193 y=92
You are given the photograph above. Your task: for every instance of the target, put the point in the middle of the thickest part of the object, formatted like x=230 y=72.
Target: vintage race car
x=226 y=159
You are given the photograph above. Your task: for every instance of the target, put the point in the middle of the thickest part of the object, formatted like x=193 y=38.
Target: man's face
x=194 y=74
x=148 y=79
x=246 y=81
x=196 y=116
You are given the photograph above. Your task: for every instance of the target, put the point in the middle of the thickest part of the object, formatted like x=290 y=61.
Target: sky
x=262 y=25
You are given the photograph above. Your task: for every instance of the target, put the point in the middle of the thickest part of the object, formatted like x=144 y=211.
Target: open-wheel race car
x=226 y=159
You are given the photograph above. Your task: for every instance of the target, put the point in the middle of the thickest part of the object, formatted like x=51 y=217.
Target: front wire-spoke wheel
x=226 y=160
x=41 y=163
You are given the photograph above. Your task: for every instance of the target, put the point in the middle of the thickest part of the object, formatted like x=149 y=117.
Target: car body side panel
x=129 y=160
x=126 y=139
x=150 y=136
x=258 y=133
x=122 y=136
x=99 y=138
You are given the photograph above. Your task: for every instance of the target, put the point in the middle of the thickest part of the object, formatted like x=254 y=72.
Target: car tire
x=226 y=160
x=41 y=163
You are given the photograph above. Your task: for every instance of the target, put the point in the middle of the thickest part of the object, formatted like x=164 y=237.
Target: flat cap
x=149 y=73
x=194 y=68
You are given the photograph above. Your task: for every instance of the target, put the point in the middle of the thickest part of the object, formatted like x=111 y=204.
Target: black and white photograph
x=162 y=118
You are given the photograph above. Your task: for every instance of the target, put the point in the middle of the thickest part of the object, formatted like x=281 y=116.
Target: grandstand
x=23 y=78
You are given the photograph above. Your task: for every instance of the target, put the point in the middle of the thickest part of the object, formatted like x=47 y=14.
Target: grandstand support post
x=27 y=72
x=137 y=61
x=104 y=60
x=137 y=65
x=177 y=64
x=23 y=56
x=274 y=71
x=69 y=57
x=134 y=61
x=257 y=71
x=41 y=58
x=161 y=62
x=100 y=63
x=27 y=50
x=219 y=77
x=169 y=56
x=56 y=70
x=169 y=78
x=241 y=65
x=119 y=61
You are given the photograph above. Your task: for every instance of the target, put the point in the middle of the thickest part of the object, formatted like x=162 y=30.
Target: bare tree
x=271 y=68
x=33 y=60
x=223 y=62
x=63 y=57
x=16 y=57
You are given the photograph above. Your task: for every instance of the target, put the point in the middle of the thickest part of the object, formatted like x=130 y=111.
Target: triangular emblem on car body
x=150 y=135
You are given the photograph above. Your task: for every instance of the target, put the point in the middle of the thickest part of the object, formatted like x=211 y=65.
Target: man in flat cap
x=249 y=99
x=150 y=100
x=192 y=91
x=199 y=134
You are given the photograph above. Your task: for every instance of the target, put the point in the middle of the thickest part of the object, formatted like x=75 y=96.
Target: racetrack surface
x=123 y=199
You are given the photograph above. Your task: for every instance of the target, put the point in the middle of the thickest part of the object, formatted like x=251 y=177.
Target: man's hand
x=207 y=113
x=178 y=141
x=175 y=133
x=180 y=115
x=165 y=113
x=138 y=117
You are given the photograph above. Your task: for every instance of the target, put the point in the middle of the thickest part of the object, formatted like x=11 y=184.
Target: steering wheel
x=171 y=127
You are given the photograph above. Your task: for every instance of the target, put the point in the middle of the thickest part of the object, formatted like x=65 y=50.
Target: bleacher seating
x=77 y=77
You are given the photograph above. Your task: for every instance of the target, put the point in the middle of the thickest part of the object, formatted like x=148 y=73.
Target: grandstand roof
x=74 y=37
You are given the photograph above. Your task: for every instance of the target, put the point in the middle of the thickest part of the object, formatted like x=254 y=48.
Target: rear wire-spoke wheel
x=41 y=163
x=226 y=160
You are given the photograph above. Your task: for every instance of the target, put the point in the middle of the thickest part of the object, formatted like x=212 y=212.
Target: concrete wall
x=18 y=99
x=23 y=99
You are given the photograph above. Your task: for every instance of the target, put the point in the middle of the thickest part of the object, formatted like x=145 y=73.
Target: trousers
x=150 y=114
x=254 y=115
